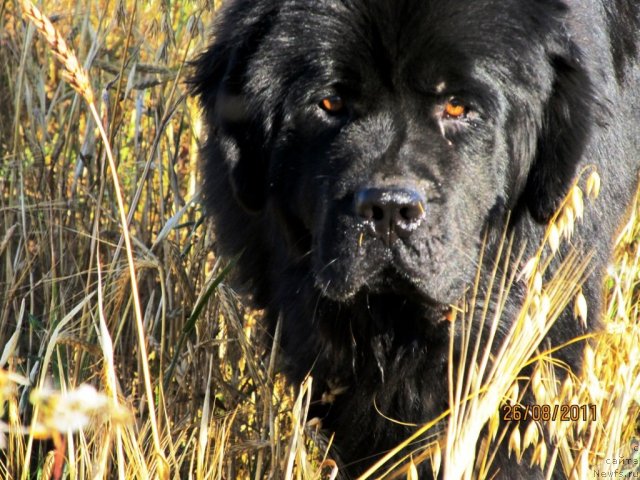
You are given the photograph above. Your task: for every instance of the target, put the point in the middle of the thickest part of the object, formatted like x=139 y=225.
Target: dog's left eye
x=333 y=104
x=455 y=108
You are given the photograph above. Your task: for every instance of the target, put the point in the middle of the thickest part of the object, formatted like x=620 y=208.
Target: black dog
x=363 y=152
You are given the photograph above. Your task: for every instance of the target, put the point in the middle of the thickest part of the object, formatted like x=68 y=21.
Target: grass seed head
x=568 y=222
x=529 y=269
x=436 y=459
x=412 y=473
x=73 y=72
x=593 y=185
x=531 y=435
x=494 y=425
x=515 y=443
x=567 y=388
x=577 y=202
x=580 y=309
x=539 y=456
x=554 y=237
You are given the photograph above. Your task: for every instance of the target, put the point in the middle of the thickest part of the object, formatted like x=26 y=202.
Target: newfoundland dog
x=365 y=157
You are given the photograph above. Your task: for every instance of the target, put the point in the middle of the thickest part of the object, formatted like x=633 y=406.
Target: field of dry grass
x=124 y=354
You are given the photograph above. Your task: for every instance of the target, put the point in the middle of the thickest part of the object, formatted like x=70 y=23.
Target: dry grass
x=107 y=279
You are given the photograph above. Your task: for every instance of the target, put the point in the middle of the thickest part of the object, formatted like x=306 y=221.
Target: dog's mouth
x=392 y=284
x=395 y=281
x=387 y=273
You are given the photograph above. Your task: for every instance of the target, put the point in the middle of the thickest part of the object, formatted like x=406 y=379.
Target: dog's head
x=386 y=136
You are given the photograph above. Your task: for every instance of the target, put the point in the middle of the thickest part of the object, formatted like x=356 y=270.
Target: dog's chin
x=390 y=282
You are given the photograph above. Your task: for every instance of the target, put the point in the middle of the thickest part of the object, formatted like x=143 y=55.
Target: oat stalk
x=77 y=77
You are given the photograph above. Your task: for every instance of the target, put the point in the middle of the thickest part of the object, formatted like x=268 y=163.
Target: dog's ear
x=563 y=136
x=237 y=132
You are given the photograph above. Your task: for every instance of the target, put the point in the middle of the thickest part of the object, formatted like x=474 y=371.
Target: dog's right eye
x=333 y=104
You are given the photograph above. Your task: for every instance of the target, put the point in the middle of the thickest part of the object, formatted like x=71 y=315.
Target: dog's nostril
x=378 y=213
x=412 y=212
x=409 y=213
x=393 y=212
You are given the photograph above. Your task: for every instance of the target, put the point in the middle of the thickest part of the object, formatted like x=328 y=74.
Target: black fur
x=547 y=94
x=623 y=24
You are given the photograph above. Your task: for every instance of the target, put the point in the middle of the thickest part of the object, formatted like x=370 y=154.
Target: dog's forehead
x=415 y=32
x=402 y=19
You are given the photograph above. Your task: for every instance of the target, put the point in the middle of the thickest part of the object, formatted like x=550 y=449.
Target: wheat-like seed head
x=580 y=308
x=73 y=72
x=593 y=185
x=531 y=435
x=539 y=455
x=515 y=443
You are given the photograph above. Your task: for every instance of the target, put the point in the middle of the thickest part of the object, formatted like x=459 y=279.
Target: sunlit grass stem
x=79 y=80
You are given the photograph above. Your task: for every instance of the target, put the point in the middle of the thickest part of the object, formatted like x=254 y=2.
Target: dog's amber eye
x=454 y=108
x=332 y=104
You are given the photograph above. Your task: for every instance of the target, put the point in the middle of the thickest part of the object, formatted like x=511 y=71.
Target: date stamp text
x=546 y=413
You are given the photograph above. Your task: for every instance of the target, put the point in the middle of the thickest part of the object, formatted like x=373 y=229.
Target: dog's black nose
x=394 y=212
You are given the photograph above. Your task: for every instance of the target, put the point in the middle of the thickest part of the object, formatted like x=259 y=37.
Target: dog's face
x=387 y=149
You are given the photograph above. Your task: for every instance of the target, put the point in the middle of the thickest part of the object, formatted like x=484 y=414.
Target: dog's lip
x=395 y=282
x=432 y=311
x=390 y=279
